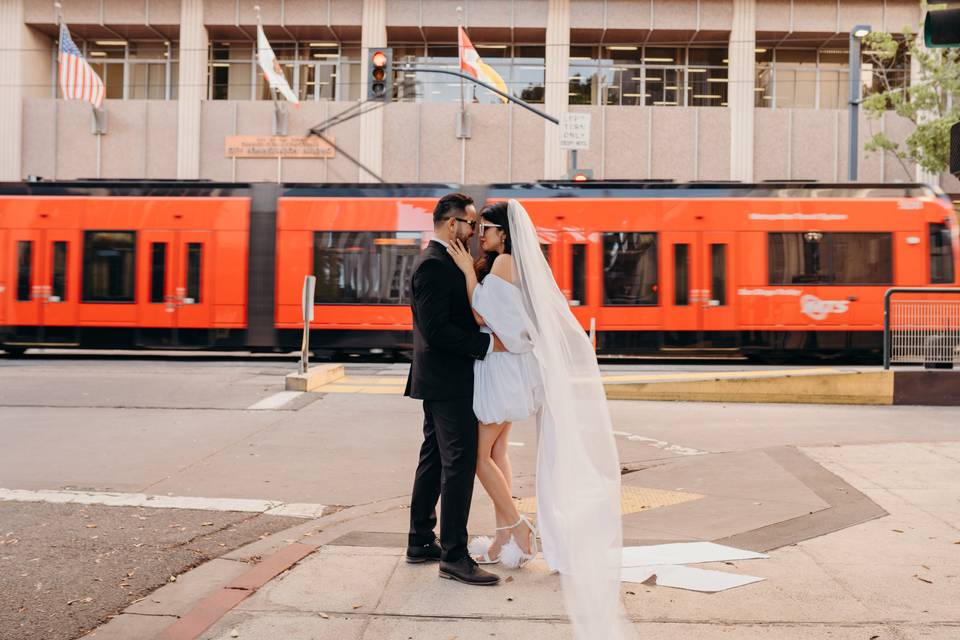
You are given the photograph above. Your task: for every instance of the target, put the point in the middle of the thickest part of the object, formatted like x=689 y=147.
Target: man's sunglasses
x=472 y=223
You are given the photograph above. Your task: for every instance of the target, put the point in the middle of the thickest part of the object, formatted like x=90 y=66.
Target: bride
x=550 y=370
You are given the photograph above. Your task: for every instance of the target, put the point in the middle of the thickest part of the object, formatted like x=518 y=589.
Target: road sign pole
x=309 y=286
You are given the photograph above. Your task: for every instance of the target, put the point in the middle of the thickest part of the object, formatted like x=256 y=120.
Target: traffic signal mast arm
x=466 y=76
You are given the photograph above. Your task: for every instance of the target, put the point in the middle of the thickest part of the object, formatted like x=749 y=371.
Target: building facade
x=677 y=89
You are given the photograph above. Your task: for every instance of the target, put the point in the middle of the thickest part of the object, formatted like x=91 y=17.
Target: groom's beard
x=464 y=237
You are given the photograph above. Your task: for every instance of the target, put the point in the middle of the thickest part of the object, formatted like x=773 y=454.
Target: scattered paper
x=666 y=564
x=685 y=553
x=690 y=578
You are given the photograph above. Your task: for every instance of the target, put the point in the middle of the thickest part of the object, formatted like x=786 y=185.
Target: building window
x=109 y=258
x=819 y=78
x=364 y=267
x=520 y=65
x=813 y=257
x=630 y=269
x=635 y=75
x=130 y=70
x=315 y=70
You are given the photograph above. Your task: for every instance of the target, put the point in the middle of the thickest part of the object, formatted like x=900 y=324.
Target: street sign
x=575 y=131
x=309 y=286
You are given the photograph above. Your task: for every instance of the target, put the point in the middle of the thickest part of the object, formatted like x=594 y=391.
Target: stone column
x=374 y=34
x=192 y=88
x=740 y=93
x=11 y=97
x=557 y=81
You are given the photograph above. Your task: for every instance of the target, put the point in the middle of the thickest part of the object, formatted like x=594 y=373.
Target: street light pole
x=853 y=153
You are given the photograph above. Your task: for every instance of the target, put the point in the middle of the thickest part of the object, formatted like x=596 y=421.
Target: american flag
x=78 y=81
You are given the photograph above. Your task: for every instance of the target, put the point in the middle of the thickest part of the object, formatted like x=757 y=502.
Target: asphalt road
x=183 y=427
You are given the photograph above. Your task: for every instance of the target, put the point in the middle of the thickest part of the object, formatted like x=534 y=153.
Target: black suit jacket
x=446 y=338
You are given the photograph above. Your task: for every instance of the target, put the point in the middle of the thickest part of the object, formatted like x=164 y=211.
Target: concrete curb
x=930 y=388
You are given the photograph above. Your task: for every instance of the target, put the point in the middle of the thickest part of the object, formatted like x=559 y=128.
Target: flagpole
x=460 y=53
x=461 y=125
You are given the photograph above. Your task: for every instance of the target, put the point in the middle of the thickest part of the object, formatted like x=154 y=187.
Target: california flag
x=271 y=68
x=471 y=63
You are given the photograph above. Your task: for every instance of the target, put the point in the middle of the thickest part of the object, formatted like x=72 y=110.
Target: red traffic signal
x=379 y=75
x=580 y=175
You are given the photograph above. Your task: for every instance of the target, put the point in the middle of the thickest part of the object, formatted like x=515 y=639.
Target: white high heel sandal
x=511 y=555
x=479 y=550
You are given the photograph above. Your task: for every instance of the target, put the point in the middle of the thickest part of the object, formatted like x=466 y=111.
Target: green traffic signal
x=941 y=28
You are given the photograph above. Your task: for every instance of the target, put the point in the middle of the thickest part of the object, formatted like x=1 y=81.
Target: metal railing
x=921 y=331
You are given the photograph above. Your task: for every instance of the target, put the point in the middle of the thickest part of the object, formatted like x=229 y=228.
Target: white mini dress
x=506 y=385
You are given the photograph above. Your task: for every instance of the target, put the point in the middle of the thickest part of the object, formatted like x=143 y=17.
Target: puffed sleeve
x=499 y=303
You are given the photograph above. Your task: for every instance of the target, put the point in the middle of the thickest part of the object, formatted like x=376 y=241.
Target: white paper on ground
x=690 y=578
x=684 y=553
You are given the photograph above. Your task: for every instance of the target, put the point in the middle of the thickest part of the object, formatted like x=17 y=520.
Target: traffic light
x=580 y=175
x=380 y=73
x=941 y=28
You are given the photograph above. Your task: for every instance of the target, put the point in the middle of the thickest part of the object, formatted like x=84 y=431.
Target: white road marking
x=269 y=507
x=515 y=444
x=660 y=444
x=275 y=401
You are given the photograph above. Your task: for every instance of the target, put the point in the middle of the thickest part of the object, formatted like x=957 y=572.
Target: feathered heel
x=479 y=550
x=511 y=555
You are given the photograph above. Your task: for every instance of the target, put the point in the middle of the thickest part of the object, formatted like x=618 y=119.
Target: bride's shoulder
x=503 y=267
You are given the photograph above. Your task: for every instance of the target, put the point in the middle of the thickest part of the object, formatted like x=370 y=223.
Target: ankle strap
x=510 y=526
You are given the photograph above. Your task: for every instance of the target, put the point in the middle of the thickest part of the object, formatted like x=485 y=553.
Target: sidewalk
x=862 y=575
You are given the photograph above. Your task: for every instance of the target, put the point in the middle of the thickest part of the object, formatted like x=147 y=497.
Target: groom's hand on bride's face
x=497 y=345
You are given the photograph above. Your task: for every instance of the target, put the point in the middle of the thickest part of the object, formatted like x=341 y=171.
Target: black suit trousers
x=448 y=464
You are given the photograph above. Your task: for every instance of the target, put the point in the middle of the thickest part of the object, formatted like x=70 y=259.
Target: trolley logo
x=769 y=292
x=818 y=309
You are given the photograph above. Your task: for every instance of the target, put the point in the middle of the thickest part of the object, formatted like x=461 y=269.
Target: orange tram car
x=654 y=268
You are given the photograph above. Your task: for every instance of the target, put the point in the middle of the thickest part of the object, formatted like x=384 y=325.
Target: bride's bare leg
x=501 y=457
x=495 y=484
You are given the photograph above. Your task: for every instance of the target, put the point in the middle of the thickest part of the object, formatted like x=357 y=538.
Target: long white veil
x=578 y=471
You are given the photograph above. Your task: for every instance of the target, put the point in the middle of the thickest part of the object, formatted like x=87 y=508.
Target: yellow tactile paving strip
x=394 y=385
x=715 y=375
x=632 y=500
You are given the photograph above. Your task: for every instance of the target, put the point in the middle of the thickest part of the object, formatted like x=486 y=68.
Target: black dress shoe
x=426 y=553
x=467 y=571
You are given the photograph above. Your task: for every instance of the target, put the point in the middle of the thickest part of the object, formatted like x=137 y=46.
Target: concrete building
x=677 y=89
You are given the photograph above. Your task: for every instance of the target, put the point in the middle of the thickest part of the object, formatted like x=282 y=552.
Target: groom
x=446 y=341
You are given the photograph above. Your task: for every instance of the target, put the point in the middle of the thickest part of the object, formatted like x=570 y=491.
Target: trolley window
x=194 y=265
x=364 y=267
x=941 y=255
x=24 y=268
x=681 y=275
x=58 y=270
x=813 y=257
x=108 y=266
x=158 y=271
x=579 y=275
x=718 y=273
x=545 y=250
x=630 y=269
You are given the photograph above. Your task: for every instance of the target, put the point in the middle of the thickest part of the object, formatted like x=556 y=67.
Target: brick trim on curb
x=215 y=606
